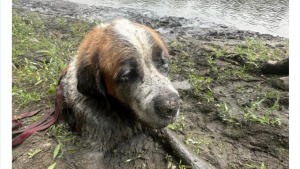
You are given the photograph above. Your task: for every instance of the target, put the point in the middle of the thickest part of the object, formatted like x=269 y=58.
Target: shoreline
x=166 y=24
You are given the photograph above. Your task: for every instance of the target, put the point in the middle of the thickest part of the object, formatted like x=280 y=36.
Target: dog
x=117 y=86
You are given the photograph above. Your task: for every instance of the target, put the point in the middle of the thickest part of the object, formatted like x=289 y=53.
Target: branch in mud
x=183 y=152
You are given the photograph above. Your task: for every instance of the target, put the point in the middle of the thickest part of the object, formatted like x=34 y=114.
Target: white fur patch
x=70 y=82
x=102 y=25
x=138 y=36
x=154 y=84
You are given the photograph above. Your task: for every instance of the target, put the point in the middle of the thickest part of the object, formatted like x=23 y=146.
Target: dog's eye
x=165 y=67
x=126 y=76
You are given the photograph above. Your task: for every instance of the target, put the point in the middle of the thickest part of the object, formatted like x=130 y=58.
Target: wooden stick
x=183 y=152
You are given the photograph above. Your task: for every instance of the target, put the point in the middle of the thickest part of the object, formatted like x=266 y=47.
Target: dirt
x=224 y=137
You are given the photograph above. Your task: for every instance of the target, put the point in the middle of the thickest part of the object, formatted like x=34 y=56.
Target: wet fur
x=101 y=101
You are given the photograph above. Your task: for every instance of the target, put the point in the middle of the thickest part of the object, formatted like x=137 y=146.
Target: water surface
x=264 y=16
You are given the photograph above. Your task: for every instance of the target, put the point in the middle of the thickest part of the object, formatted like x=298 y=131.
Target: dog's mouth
x=169 y=114
x=166 y=109
x=159 y=119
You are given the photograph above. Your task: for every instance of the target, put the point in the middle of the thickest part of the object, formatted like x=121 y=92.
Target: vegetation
x=62 y=133
x=194 y=143
x=39 y=54
x=178 y=125
x=172 y=163
x=30 y=155
x=243 y=63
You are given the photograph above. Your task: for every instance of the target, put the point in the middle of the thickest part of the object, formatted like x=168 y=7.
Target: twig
x=183 y=152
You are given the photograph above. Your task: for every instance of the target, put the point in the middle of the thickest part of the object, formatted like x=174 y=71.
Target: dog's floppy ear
x=90 y=81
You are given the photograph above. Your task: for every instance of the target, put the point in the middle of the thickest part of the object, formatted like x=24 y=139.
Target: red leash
x=15 y=119
x=41 y=124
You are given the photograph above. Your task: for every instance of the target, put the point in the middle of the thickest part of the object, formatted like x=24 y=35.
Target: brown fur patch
x=102 y=50
x=65 y=69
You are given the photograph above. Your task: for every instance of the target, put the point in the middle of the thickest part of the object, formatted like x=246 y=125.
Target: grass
x=255 y=113
x=256 y=105
x=30 y=155
x=175 y=69
x=250 y=52
x=39 y=53
x=240 y=73
x=226 y=114
x=253 y=166
x=209 y=95
x=197 y=82
x=211 y=63
x=62 y=134
x=177 y=45
x=52 y=166
x=255 y=50
x=250 y=165
x=218 y=51
x=178 y=125
x=194 y=143
x=23 y=97
x=172 y=163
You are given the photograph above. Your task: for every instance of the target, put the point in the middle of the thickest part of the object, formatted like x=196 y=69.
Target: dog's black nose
x=167 y=105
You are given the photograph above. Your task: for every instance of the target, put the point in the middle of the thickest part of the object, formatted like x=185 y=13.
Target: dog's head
x=129 y=62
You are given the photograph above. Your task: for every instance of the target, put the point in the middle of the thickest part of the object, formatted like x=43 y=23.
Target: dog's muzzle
x=167 y=105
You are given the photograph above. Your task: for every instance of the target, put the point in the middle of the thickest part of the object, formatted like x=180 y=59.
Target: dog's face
x=129 y=62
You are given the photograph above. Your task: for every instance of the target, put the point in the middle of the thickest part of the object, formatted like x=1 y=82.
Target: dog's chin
x=157 y=120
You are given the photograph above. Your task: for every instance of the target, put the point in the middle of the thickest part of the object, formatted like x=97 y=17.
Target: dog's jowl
x=117 y=85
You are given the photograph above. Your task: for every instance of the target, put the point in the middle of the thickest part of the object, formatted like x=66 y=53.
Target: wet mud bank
x=232 y=115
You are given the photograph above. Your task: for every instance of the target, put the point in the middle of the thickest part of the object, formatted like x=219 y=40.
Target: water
x=264 y=16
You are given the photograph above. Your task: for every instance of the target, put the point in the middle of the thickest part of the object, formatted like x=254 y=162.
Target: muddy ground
x=232 y=115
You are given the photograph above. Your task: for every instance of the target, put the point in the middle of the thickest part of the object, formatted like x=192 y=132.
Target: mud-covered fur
x=117 y=86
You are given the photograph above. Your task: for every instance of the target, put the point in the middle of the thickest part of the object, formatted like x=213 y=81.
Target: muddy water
x=268 y=16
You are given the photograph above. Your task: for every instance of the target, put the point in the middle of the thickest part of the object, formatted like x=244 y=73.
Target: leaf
x=34 y=40
x=209 y=93
x=262 y=166
x=200 y=78
x=45 y=41
x=226 y=108
x=51 y=90
x=128 y=160
x=38 y=82
x=44 y=52
x=54 y=49
x=30 y=154
x=52 y=166
x=71 y=151
x=34 y=153
x=56 y=151
x=32 y=67
x=188 y=139
x=208 y=80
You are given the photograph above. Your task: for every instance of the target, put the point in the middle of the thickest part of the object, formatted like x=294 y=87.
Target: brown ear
x=90 y=81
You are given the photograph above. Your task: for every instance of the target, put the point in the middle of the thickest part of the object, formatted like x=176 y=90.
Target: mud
x=223 y=136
